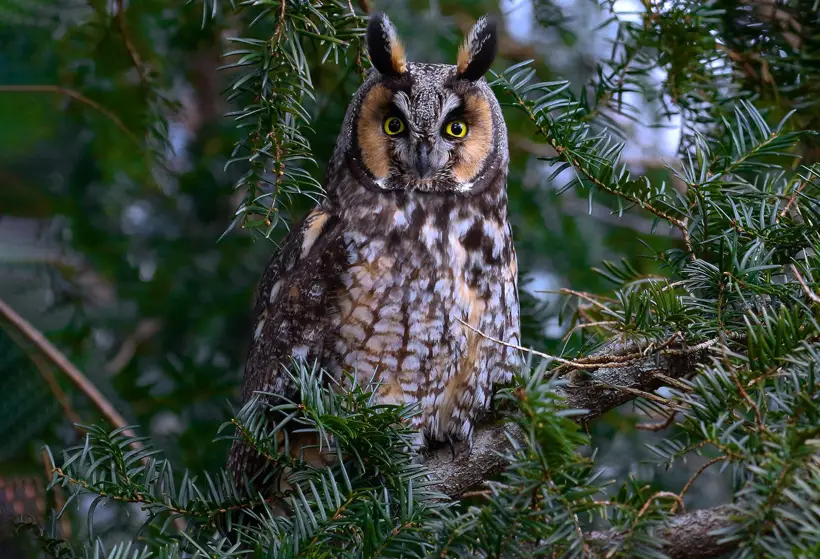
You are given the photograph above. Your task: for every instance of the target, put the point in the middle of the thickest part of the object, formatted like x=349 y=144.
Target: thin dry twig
x=808 y=291
x=597 y=324
x=792 y=198
x=646 y=505
x=129 y=45
x=60 y=361
x=532 y=351
x=680 y=385
x=641 y=393
x=589 y=297
x=607 y=362
x=659 y=426
x=761 y=426
x=77 y=97
x=54 y=386
x=692 y=480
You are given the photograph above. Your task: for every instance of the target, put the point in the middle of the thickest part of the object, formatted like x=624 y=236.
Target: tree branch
x=129 y=45
x=597 y=392
x=688 y=536
x=35 y=337
x=76 y=96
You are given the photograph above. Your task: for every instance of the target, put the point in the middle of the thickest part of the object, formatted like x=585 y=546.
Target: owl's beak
x=423 y=166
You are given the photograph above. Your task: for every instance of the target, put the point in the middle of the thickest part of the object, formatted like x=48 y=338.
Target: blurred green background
x=114 y=195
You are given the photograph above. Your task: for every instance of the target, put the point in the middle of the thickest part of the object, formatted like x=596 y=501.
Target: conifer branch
x=688 y=536
x=596 y=392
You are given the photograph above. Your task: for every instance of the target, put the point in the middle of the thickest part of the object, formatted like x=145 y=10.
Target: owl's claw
x=452 y=446
x=458 y=448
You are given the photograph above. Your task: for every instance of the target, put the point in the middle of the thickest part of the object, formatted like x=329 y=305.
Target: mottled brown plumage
x=411 y=243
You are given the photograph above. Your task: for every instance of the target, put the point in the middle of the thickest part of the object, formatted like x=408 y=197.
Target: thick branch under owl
x=597 y=392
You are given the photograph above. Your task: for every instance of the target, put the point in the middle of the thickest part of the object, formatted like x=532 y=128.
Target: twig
x=687 y=241
x=54 y=386
x=77 y=97
x=603 y=362
x=692 y=480
x=575 y=364
x=809 y=292
x=660 y=426
x=44 y=370
x=682 y=386
x=146 y=329
x=758 y=417
x=793 y=197
x=61 y=362
x=645 y=507
x=129 y=45
x=585 y=296
x=640 y=393
x=595 y=324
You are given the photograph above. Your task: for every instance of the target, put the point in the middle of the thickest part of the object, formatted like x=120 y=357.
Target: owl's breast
x=417 y=308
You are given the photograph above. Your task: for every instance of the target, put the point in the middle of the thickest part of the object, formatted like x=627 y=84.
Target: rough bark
x=596 y=391
x=686 y=536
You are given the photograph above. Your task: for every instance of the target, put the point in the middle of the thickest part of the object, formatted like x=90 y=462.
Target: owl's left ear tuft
x=477 y=52
x=385 y=48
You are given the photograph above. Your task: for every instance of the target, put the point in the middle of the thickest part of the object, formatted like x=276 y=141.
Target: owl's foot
x=459 y=448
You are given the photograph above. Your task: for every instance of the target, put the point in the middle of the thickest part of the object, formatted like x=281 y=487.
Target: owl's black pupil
x=394 y=125
x=456 y=129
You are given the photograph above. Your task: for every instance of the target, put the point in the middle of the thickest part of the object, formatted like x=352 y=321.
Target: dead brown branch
x=806 y=289
x=56 y=357
x=129 y=45
x=594 y=390
x=77 y=97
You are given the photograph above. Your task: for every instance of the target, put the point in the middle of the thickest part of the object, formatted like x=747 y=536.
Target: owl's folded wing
x=294 y=307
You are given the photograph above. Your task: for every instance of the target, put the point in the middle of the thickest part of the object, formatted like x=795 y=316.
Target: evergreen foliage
x=734 y=299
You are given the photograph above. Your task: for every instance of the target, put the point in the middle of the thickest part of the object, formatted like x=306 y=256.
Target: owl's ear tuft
x=477 y=52
x=385 y=48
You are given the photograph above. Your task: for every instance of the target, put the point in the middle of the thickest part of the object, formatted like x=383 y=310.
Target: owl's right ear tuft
x=385 y=48
x=477 y=52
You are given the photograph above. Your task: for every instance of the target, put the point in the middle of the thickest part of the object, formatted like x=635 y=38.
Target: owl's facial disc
x=431 y=139
x=429 y=127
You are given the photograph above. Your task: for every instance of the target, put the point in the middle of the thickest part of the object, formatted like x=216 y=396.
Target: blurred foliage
x=121 y=174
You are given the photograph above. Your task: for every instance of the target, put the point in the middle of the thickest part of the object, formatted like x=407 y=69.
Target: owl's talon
x=458 y=448
x=452 y=446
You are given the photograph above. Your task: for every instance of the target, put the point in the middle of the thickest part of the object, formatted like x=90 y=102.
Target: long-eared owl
x=407 y=268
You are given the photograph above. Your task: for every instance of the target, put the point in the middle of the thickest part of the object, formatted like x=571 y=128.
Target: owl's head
x=426 y=127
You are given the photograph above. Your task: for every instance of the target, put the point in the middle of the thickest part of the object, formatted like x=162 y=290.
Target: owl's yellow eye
x=456 y=128
x=393 y=125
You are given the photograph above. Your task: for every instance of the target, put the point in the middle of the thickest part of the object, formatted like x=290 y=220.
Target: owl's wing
x=292 y=312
